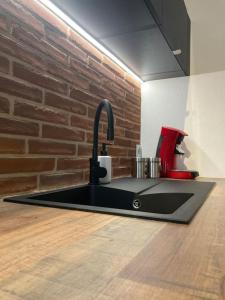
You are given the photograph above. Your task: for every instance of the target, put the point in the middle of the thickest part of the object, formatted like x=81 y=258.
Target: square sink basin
x=170 y=200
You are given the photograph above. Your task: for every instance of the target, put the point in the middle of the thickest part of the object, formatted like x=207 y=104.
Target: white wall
x=207 y=35
x=195 y=104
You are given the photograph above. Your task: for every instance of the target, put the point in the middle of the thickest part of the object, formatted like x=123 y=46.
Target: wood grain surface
x=48 y=253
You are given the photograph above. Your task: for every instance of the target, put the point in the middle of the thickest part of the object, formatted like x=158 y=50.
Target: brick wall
x=51 y=81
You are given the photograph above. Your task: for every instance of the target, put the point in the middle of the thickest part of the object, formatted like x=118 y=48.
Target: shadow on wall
x=207 y=44
x=164 y=103
x=202 y=162
x=209 y=166
x=205 y=124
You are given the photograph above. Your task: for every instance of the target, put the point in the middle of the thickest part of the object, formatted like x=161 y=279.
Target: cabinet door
x=176 y=29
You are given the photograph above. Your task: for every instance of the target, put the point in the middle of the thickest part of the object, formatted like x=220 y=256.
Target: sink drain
x=136 y=204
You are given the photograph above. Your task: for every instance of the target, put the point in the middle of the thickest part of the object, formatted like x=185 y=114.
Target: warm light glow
x=52 y=7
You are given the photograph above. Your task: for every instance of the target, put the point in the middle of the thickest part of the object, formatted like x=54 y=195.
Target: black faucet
x=96 y=171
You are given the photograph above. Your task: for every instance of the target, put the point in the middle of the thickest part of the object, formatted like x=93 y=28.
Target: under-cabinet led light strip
x=59 y=13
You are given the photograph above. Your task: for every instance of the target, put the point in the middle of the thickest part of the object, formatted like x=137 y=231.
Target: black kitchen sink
x=170 y=200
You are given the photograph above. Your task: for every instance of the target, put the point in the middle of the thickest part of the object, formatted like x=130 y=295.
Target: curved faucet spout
x=110 y=132
x=96 y=171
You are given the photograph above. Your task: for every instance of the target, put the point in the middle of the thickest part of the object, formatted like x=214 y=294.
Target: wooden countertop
x=48 y=253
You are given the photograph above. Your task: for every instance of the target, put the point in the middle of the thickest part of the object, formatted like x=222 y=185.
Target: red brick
x=100 y=91
x=53 y=148
x=118 y=111
x=113 y=66
x=17 y=50
x=119 y=102
x=132 y=135
x=102 y=137
x=62 y=133
x=16 y=185
x=131 y=152
x=49 y=17
x=41 y=113
x=127 y=125
x=85 y=45
x=86 y=175
x=62 y=179
x=133 y=99
x=72 y=164
x=81 y=122
x=59 y=71
x=136 y=118
x=118 y=132
x=132 y=108
x=126 y=162
x=84 y=97
x=137 y=92
x=20 y=165
x=101 y=69
x=109 y=85
x=4 y=105
x=61 y=41
x=37 y=78
x=129 y=78
x=84 y=70
x=89 y=137
x=67 y=75
x=19 y=89
x=92 y=112
x=4 y=65
x=65 y=103
x=115 y=162
x=3 y=23
x=101 y=128
x=122 y=83
x=18 y=127
x=117 y=151
x=22 y=15
x=37 y=43
x=84 y=150
x=124 y=142
x=11 y=146
x=80 y=82
x=123 y=171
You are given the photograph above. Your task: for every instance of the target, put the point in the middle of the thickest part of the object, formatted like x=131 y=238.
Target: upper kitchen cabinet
x=176 y=25
x=142 y=33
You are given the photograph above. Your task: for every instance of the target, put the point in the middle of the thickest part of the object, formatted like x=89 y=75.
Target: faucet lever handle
x=101 y=172
x=96 y=172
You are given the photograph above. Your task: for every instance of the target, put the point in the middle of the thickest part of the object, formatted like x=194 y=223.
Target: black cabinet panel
x=145 y=52
x=176 y=28
x=104 y=18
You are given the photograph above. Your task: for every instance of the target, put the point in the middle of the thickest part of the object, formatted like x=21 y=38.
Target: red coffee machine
x=168 y=146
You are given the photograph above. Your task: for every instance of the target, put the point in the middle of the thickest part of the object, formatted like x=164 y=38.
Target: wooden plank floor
x=48 y=253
